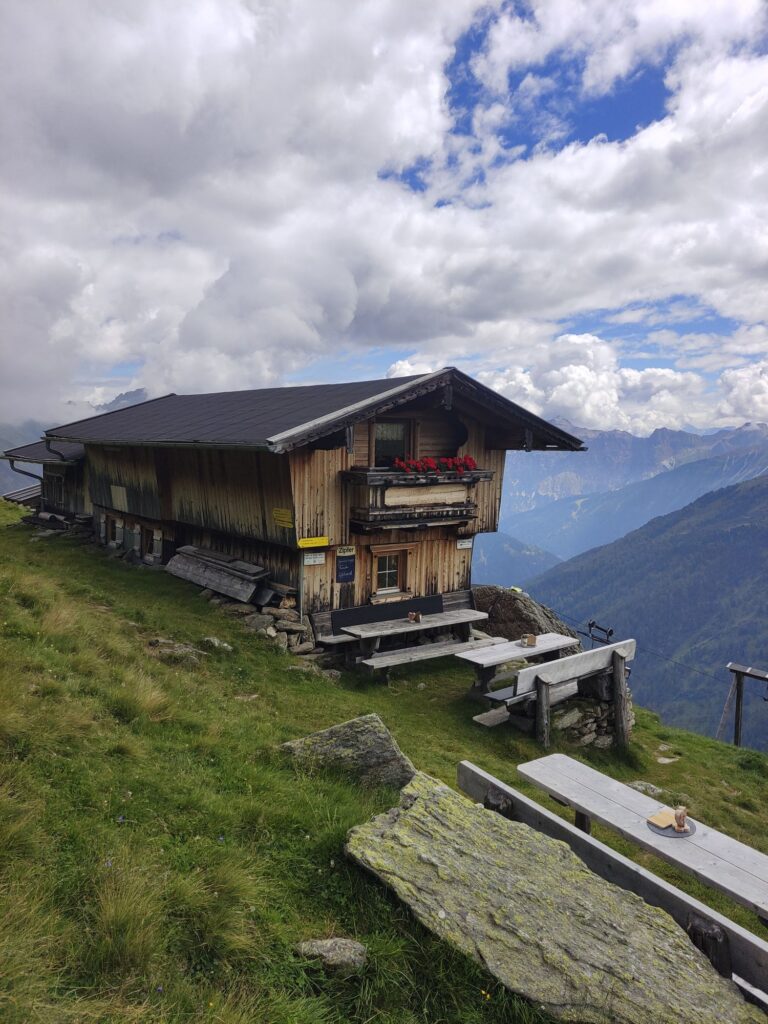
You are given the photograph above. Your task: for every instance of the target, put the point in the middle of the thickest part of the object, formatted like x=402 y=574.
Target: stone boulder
x=527 y=909
x=363 y=748
x=340 y=956
x=510 y=614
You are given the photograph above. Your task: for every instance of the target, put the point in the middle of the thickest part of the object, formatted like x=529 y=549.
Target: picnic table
x=486 y=661
x=370 y=634
x=714 y=858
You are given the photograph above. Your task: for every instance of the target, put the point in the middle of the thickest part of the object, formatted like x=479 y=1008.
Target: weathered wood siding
x=65 y=489
x=434 y=566
x=247 y=494
x=242 y=493
x=487 y=492
x=321 y=499
x=124 y=479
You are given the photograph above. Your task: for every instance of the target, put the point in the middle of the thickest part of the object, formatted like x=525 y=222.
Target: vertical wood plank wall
x=227 y=500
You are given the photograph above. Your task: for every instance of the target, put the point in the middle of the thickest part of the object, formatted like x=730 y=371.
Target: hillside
x=159 y=859
x=573 y=525
x=691 y=586
x=614 y=459
x=499 y=558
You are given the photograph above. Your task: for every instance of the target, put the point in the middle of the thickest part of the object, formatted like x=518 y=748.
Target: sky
x=567 y=199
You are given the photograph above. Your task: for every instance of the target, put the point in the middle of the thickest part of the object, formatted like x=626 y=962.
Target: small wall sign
x=314 y=558
x=314 y=542
x=345 y=568
x=345 y=550
x=283 y=517
x=464 y=544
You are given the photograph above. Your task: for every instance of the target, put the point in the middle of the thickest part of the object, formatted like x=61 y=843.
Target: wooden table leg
x=583 y=821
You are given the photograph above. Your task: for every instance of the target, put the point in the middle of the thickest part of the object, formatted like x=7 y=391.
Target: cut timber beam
x=206 y=574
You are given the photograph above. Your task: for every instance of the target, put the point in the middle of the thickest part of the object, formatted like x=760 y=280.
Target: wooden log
x=621 y=724
x=205 y=574
x=542 y=713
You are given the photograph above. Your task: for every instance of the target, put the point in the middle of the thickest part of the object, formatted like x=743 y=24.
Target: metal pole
x=739 y=708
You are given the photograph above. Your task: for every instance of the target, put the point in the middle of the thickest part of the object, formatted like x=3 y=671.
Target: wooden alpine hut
x=349 y=495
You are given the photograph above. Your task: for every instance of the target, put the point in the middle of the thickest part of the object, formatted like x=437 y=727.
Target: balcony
x=383 y=499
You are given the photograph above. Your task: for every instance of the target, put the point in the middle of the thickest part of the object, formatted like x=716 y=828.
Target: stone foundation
x=586 y=721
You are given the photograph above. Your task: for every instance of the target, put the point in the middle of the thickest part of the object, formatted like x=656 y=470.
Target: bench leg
x=464 y=631
x=482 y=681
x=583 y=821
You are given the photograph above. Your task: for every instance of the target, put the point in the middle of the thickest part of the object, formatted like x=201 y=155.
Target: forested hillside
x=499 y=558
x=690 y=586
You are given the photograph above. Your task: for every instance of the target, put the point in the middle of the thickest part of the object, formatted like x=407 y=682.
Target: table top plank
x=394 y=627
x=513 y=649
x=714 y=858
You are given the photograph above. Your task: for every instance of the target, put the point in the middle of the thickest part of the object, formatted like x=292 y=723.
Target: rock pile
x=283 y=625
x=587 y=722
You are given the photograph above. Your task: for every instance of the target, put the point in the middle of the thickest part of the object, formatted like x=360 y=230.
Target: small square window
x=388 y=569
x=390 y=440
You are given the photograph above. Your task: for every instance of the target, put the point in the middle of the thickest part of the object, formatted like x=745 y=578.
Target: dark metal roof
x=279 y=419
x=24 y=496
x=227 y=417
x=63 y=451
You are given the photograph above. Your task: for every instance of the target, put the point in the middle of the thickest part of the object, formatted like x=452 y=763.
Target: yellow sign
x=283 y=517
x=314 y=542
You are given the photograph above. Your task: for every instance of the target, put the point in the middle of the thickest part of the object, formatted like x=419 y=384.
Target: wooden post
x=542 y=713
x=620 y=702
x=739 y=676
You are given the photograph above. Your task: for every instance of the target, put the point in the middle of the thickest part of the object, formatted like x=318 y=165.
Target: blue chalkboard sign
x=345 y=568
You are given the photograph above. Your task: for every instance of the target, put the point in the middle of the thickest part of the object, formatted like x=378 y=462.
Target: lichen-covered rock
x=341 y=956
x=537 y=918
x=363 y=748
x=510 y=614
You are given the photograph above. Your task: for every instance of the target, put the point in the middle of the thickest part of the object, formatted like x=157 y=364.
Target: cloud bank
x=237 y=194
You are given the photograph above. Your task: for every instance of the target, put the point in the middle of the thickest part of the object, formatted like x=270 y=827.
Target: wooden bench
x=486 y=663
x=328 y=625
x=714 y=858
x=556 y=681
x=370 y=634
x=748 y=953
x=408 y=655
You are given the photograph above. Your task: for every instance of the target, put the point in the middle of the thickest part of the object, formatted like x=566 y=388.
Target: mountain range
x=614 y=459
x=690 y=588
x=572 y=525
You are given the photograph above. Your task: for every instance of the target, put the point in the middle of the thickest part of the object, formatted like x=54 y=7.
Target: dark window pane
x=387 y=575
x=390 y=440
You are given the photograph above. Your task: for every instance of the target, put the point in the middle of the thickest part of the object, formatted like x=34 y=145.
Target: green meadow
x=159 y=859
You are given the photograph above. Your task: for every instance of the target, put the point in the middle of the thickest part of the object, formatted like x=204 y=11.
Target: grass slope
x=158 y=858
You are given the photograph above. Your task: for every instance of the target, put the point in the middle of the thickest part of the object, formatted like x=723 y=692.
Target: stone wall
x=586 y=721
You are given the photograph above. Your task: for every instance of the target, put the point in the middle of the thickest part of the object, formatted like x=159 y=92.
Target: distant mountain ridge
x=614 y=459
x=572 y=525
x=690 y=586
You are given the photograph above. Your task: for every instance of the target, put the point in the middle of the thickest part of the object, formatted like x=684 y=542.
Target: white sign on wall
x=464 y=543
x=314 y=558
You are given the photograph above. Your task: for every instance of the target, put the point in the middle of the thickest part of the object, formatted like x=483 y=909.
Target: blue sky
x=563 y=198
